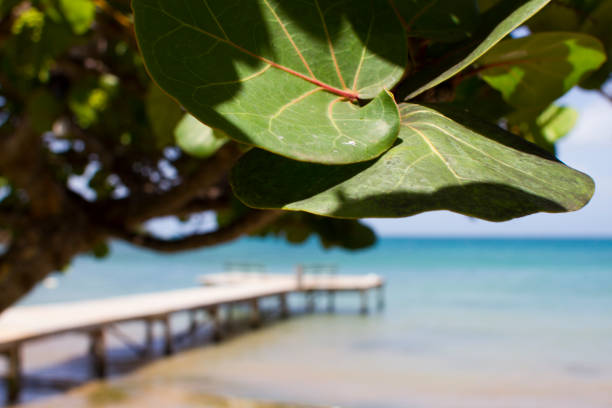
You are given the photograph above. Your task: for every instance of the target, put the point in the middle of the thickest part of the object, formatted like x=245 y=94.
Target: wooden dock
x=94 y=318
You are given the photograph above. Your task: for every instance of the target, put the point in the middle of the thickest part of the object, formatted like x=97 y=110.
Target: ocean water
x=467 y=323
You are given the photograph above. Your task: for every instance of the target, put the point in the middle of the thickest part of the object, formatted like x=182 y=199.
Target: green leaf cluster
x=336 y=98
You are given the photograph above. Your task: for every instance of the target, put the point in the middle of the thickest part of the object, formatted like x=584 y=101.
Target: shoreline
x=252 y=368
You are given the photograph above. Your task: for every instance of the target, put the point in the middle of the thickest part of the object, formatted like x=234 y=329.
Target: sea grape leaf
x=476 y=96
x=164 y=114
x=599 y=24
x=556 y=122
x=534 y=71
x=547 y=128
x=497 y=22
x=592 y=17
x=43 y=109
x=80 y=14
x=438 y=20
x=197 y=139
x=285 y=85
x=6 y=6
x=298 y=227
x=442 y=161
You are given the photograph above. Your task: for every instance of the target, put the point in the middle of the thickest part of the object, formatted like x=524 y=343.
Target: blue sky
x=587 y=148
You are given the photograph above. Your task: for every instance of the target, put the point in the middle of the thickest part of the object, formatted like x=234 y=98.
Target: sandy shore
x=128 y=393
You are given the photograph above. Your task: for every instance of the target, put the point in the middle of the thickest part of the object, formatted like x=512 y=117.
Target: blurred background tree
x=91 y=149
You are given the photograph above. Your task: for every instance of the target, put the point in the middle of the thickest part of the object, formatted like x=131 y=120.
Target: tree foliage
x=113 y=114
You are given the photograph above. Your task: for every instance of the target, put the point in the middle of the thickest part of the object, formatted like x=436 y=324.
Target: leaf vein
x=330 y=45
x=295 y=47
x=480 y=151
x=437 y=153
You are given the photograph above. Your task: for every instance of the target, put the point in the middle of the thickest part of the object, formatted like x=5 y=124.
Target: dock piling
x=97 y=351
x=229 y=316
x=255 y=313
x=149 y=336
x=364 y=302
x=284 y=307
x=193 y=322
x=381 y=298
x=14 y=375
x=310 y=301
x=331 y=301
x=215 y=315
x=168 y=338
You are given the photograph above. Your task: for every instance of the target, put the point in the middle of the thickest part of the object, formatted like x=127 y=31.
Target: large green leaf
x=534 y=71
x=599 y=24
x=497 y=22
x=281 y=75
x=438 y=163
x=592 y=17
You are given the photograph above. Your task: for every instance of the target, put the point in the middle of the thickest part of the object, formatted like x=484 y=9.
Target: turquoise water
x=469 y=322
x=563 y=275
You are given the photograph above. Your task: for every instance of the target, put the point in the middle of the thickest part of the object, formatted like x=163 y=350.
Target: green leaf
x=497 y=22
x=599 y=24
x=6 y=6
x=534 y=71
x=298 y=227
x=441 y=162
x=164 y=114
x=43 y=109
x=556 y=122
x=280 y=75
x=100 y=250
x=547 y=128
x=197 y=139
x=592 y=17
x=438 y=20
x=80 y=14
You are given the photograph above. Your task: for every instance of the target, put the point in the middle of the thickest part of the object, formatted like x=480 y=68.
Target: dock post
x=193 y=322
x=381 y=298
x=149 y=335
x=255 y=313
x=310 y=301
x=282 y=304
x=14 y=377
x=215 y=315
x=364 y=301
x=331 y=304
x=168 y=339
x=229 y=316
x=97 y=351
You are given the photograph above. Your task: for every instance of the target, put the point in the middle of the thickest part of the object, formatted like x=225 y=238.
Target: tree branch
x=605 y=95
x=40 y=248
x=23 y=162
x=142 y=208
x=251 y=222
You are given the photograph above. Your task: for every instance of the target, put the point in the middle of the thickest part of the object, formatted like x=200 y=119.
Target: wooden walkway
x=22 y=324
